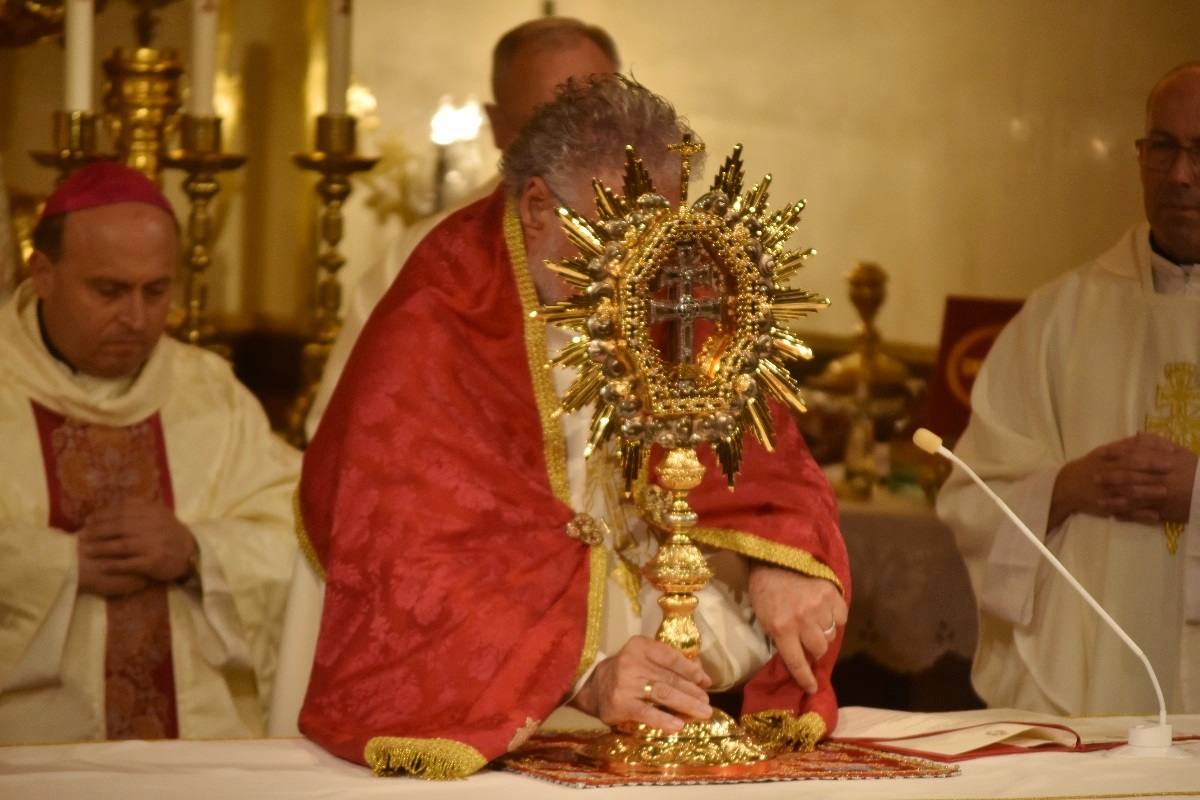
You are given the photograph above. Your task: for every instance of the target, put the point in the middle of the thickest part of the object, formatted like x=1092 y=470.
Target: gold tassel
x=782 y=731
x=431 y=759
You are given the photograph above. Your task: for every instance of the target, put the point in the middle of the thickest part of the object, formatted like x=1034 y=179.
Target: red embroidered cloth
x=559 y=758
x=89 y=467
x=455 y=605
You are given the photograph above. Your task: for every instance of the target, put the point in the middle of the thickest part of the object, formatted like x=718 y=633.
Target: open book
x=959 y=735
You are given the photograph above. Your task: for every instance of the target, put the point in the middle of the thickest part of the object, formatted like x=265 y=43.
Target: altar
x=296 y=768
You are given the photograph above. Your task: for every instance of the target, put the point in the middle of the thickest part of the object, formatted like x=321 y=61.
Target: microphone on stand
x=1146 y=738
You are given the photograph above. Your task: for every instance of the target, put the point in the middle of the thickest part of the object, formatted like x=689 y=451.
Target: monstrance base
x=703 y=747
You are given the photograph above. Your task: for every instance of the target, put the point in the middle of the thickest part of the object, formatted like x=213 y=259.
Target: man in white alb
x=1085 y=419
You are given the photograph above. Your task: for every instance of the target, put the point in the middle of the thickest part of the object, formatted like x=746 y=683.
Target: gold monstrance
x=712 y=278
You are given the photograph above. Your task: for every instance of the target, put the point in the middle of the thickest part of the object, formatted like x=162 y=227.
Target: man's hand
x=1143 y=478
x=616 y=690
x=123 y=547
x=96 y=577
x=799 y=614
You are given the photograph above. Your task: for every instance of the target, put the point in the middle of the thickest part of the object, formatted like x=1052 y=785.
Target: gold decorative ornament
x=336 y=159
x=721 y=261
x=201 y=157
x=142 y=102
x=867 y=385
x=1178 y=396
x=680 y=338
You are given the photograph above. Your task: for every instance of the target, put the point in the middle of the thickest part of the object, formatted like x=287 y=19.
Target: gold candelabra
x=336 y=159
x=201 y=157
x=74 y=143
x=142 y=101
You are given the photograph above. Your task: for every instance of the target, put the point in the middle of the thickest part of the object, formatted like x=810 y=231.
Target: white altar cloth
x=296 y=768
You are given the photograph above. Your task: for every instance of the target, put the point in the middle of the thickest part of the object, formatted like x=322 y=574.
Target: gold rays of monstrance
x=680 y=338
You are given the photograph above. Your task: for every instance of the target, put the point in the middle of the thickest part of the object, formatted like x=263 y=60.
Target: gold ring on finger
x=648 y=690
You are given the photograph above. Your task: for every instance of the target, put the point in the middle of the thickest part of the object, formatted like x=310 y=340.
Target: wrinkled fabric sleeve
x=247 y=545
x=38 y=578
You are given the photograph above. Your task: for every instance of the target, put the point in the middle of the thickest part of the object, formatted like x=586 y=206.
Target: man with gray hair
x=449 y=512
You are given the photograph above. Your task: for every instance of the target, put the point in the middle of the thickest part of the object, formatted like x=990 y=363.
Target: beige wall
x=970 y=146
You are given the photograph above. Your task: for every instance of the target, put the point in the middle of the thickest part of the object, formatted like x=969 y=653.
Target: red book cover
x=969 y=327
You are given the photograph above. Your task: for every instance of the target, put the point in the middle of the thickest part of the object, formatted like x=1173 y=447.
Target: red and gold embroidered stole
x=89 y=467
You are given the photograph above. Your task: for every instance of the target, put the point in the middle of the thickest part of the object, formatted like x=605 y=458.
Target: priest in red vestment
x=442 y=502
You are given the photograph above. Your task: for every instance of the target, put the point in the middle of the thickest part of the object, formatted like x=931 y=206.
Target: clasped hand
x=1143 y=478
x=124 y=547
x=650 y=682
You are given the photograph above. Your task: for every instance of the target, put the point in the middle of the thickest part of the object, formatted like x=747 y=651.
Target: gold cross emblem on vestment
x=1179 y=397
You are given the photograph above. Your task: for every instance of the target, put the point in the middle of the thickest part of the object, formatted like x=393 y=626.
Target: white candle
x=337 y=56
x=79 y=53
x=204 y=57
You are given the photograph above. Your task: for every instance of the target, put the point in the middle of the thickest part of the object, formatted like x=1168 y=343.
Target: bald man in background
x=528 y=64
x=1082 y=418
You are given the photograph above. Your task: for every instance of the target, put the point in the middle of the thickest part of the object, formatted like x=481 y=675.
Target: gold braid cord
x=784 y=732
x=553 y=443
x=431 y=759
x=306 y=545
x=598 y=567
x=762 y=549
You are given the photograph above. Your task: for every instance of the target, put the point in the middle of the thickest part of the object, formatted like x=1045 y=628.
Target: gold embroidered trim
x=553 y=443
x=1177 y=396
x=753 y=546
x=431 y=759
x=597 y=574
x=306 y=545
x=782 y=731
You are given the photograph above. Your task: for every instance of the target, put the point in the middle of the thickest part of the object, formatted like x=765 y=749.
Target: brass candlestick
x=867 y=385
x=74 y=143
x=200 y=156
x=336 y=160
x=142 y=101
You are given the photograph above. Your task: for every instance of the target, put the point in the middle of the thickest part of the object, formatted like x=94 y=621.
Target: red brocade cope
x=458 y=613
x=89 y=467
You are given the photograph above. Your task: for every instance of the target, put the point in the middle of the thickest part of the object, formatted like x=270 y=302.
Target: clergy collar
x=50 y=348
x=1158 y=251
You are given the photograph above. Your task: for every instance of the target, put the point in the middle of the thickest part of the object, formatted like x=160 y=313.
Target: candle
x=204 y=57
x=337 y=56
x=79 y=50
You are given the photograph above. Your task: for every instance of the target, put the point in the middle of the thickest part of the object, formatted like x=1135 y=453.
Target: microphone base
x=1149 y=740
